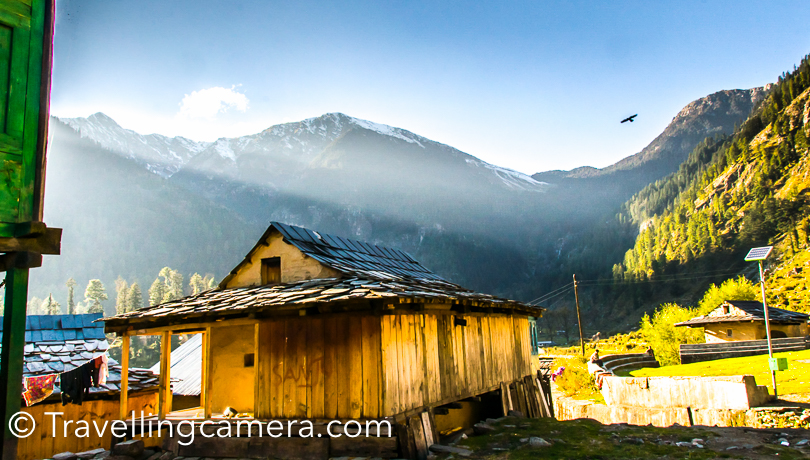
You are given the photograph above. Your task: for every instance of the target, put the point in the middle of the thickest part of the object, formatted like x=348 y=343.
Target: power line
x=543 y=297
x=658 y=279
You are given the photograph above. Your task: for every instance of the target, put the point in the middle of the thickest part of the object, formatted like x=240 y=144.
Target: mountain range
x=131 y=204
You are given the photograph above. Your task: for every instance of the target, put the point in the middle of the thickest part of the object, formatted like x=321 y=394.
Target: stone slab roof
x=59 y=343
x=303 y=294
x=753 y=312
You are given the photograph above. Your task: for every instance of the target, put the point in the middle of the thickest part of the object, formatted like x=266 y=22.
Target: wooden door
x=23 y=101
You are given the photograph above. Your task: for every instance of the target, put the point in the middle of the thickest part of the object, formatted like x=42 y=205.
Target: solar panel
x=758 y=253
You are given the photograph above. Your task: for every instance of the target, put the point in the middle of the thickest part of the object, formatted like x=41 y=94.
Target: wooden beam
x=12 y=355
x=189 y=328
x=123 y=412
x=257 y=380
x=20 y=260
x=165 y=387
x=48 y=242
x=207 y=374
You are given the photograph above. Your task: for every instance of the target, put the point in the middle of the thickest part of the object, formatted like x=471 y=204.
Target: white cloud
x=207 y=103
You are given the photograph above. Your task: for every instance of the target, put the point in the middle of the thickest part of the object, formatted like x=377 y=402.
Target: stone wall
x=760 y=417
x=734 y=392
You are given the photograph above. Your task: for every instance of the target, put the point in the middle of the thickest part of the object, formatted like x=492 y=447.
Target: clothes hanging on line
x=38 y=388
x=75 y=384
x=101 y=370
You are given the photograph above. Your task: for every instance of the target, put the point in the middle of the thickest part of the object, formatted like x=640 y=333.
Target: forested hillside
x=732 y=193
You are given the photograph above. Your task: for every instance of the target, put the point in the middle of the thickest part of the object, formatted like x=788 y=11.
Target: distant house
x=60 y=343
x=311 y=326
x=743 y=320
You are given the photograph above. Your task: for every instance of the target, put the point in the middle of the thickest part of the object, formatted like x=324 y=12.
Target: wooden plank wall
x=43 y=443
x=427 y=359
x=324 y=367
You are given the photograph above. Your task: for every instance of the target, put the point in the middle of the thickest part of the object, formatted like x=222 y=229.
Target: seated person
x=596 y=367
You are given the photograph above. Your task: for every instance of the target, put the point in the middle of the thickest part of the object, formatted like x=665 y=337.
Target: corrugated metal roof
x=186 y=368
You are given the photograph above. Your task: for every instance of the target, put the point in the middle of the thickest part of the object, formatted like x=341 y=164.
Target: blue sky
x=531 y=86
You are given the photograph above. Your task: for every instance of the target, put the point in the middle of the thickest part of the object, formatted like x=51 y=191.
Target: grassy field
x=795 y=380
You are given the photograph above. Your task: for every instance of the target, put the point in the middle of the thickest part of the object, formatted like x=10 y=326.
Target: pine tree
x=34 y=306
x=173 y=284
x=175 y=290
x=71 y=304
x=210 y=281
x=135 y=297
x=50 y=306
x=196 y=284
x=93 y=295
x=156 y=292
x=121 y=296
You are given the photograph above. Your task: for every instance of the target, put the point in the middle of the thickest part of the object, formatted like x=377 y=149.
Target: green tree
x=731 y=289
x=50 y=306
x=210 y=281
x=34 y=306
x=156 y=292
x=135 y=295
x=173 y=284
x=121 y=296
x=175 y=290
x=662 y=335
x=196 y=284
x=94 y=295
x=71 y=304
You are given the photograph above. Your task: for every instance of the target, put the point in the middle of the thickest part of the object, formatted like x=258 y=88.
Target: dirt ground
x=511 y=438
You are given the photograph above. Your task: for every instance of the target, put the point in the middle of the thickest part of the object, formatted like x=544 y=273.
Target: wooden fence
x=699 y=352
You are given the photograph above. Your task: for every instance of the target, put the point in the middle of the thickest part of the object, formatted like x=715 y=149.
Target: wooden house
x=59 y=343
x=318 y=327
x=744 y=320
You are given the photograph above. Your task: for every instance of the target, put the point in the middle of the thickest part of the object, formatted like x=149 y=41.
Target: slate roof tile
x=48 y=351
x=754 y=312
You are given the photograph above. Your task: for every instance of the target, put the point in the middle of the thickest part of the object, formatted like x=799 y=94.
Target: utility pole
x=579 y=318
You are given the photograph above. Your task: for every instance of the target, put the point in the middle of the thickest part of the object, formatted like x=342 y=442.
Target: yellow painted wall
x=716 y=333
x=232 y=383
x=295 y=266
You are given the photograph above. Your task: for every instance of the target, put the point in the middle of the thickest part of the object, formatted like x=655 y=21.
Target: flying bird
x=630 y=118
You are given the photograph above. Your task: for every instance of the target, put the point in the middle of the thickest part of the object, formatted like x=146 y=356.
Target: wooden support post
x=504 y=398
x=123 y=411
x=207 y=366
x=579 y=318
x=12 y=356
x=165 y=388
x=257 y=380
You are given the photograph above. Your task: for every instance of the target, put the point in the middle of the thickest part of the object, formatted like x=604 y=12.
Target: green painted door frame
x=26 y=42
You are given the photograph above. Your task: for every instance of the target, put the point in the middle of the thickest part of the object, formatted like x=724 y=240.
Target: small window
x=729 y=332
x=271 y=270
x=248 y=359
x=725 y=309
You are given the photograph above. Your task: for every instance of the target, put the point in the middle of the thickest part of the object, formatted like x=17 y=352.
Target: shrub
x=575 y=378
x=731 y=289
x=662 y=335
